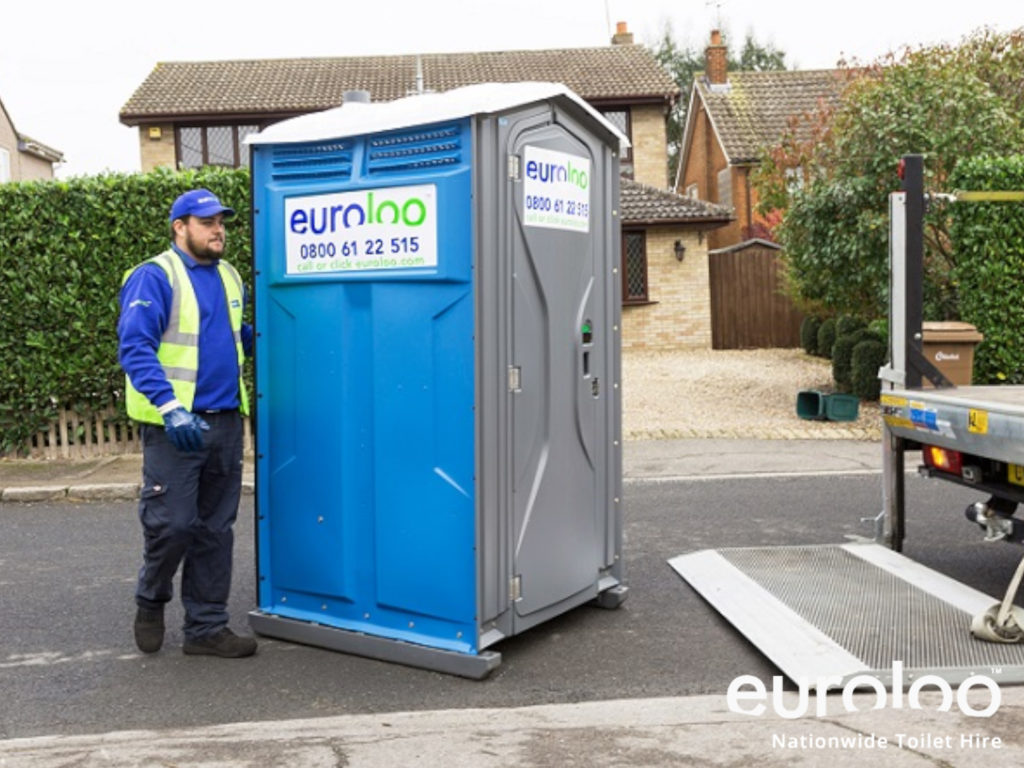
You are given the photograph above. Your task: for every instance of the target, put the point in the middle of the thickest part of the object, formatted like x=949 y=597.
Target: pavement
x=119 y=477
x=105 y=478
x=892 y=729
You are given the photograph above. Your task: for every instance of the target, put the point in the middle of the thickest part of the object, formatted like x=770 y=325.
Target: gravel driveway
x=730 y=393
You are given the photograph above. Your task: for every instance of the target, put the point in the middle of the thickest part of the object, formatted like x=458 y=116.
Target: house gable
x=24 y=158
x=755 y=109
x=729 y=124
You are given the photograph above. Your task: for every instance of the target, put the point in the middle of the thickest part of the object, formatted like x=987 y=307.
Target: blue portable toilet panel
x=383 y=512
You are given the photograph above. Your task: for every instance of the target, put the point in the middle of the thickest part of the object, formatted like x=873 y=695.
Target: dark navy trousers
x=188 y=505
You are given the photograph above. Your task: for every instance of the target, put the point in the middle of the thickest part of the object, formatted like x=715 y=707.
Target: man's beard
x=202 y=252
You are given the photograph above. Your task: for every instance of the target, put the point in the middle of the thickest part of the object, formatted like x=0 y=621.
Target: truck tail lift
x=871 y=607
x=973 y=436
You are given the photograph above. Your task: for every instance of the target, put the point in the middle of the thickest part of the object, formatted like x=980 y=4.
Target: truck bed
x=982 y=420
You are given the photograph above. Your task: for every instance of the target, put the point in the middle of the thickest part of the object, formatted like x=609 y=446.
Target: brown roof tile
x=643 y=204
x=291 y=86
x=753 y=111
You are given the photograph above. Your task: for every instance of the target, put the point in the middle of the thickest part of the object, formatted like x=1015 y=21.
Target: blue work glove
x=185 y=429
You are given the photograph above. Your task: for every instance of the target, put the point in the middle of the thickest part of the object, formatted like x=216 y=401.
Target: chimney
x=715 y=66
x=622 y=35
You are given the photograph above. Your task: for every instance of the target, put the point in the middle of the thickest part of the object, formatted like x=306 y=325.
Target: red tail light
x=943 y=459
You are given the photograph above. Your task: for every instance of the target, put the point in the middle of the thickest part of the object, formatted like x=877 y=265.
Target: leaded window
x=620 y=119
x=634 y=267
x=200 y=145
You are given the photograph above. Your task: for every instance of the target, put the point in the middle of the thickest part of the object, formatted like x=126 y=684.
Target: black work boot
x=149 y=630
x=223 y=643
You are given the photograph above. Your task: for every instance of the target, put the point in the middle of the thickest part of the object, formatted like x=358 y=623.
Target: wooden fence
x=105 y=434
x=748 y=308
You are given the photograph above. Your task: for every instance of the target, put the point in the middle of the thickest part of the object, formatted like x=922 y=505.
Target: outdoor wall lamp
x=680 y=250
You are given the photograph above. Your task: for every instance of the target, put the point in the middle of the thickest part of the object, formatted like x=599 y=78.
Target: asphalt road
x=68 y=664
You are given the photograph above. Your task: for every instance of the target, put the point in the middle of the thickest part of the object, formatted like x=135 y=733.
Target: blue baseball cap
x=199 y=202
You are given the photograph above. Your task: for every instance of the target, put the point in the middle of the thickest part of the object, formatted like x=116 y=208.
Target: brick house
x=22 y=158
x=196 y=113
x=732 y=118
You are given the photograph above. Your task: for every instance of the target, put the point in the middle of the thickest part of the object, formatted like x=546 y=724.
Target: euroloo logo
x=367 y=229
x=747 y=695
x=374 y=208
x=556 y=190
x=557 y=172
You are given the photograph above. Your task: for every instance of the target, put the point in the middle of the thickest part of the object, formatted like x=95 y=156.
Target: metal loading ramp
x=843 y=610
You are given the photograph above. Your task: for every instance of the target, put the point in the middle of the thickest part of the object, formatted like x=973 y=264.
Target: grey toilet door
x=559 y=371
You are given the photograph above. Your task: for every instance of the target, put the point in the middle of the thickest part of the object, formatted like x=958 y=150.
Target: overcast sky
x=67 y=68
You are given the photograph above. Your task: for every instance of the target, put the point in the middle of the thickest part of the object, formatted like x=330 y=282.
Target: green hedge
x=842 y=352
x=826 y=337
x=809 y=334
x=64 y=246
x=847 y=324
x=867 y=357
x=988 y=238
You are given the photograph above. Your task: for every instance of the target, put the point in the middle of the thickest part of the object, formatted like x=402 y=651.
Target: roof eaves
x=645 y=98
x=146 y=118
x=684 y=156
x=38 y=149
x=716 y=221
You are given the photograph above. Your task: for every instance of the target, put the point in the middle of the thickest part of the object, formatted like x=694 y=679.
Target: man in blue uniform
x=182 y=345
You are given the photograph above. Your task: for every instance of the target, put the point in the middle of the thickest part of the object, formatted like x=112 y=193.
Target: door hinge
x=513 y=167
x=515 y=588
x=515 y=378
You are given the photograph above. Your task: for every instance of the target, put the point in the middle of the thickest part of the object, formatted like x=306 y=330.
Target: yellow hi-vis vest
x=179 y=346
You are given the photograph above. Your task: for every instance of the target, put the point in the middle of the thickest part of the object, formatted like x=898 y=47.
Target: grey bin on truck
x=437 y=317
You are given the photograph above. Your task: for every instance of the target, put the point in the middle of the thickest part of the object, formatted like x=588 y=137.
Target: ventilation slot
x=423 y=150
x=320 y=161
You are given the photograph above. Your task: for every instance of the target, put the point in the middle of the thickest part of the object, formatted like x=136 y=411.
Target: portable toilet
x=438 y=418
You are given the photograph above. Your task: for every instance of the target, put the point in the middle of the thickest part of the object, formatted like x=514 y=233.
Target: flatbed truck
x=841 y=611
x=968 y=435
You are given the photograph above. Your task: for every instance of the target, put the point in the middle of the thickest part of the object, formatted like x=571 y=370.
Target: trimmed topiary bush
x=847 y=324
x=826 y=337
x=809 y=334
x=842 y=351
x=880 y=328
x=867 y=357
